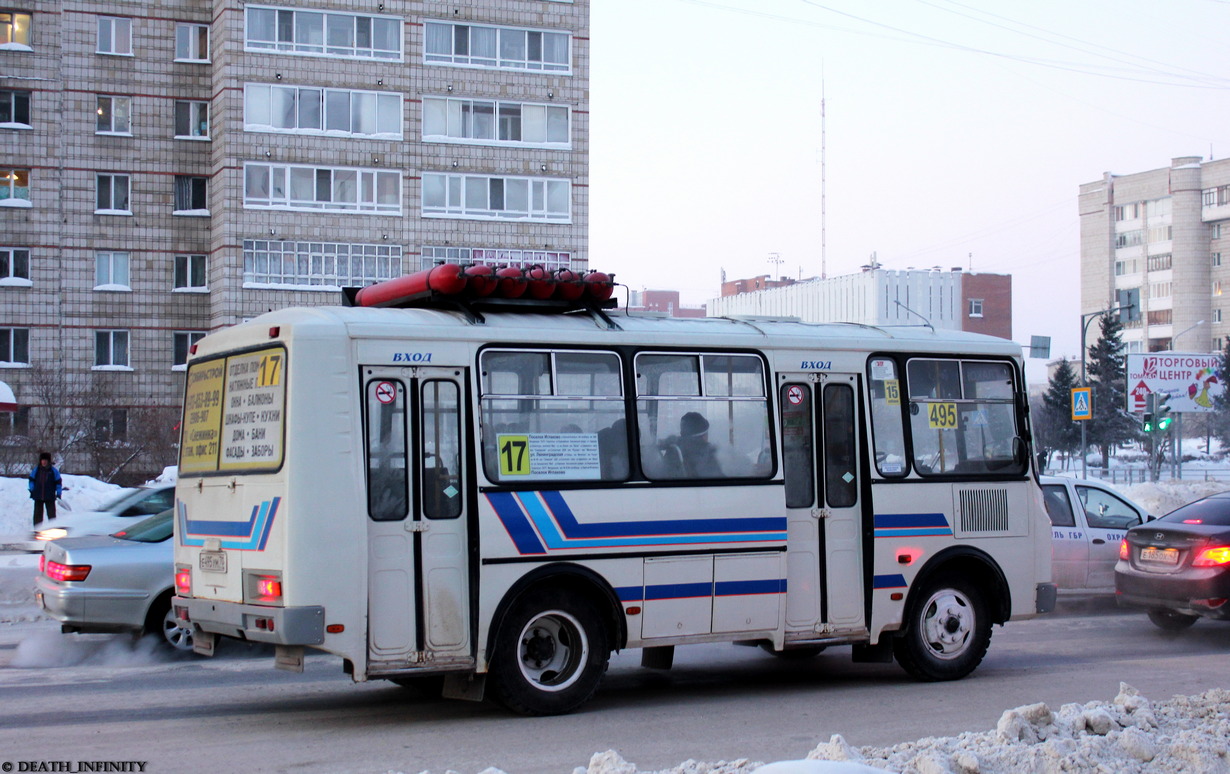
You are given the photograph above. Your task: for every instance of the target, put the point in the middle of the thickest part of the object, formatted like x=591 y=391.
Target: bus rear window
x=234 y=409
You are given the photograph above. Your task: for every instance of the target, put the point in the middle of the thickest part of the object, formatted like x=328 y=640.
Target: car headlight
x=55 y=533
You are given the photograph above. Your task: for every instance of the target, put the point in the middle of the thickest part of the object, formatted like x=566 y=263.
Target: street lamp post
x=1175 y=450
x=1085 y=320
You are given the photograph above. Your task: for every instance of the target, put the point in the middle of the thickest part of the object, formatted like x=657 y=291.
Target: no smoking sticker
x=794 y=394
x=386 y=392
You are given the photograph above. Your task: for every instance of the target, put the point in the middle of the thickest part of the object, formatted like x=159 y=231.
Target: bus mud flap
x=203 y=643
x=467 y=686
x=288 y=658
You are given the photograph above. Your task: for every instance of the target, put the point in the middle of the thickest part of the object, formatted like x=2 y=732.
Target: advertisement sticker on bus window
x=252 y=422
x=883 y=369
x=200 y=444
x=892 y=392
x=533 y=456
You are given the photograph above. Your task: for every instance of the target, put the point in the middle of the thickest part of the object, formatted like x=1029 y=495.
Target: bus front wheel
x=947 y=631
x=550 y=654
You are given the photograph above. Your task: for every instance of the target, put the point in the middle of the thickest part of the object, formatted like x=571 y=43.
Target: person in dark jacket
x=45 y=488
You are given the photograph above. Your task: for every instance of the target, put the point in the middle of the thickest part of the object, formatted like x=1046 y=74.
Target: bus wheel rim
x=948 y=624
x=552 y=650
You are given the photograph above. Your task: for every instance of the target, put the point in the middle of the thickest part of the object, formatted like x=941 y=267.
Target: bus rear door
x=418 y=577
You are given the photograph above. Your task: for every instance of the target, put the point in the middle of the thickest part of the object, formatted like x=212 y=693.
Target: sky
x=955 y=134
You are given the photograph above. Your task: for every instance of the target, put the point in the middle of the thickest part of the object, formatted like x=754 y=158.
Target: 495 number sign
x=942 y=416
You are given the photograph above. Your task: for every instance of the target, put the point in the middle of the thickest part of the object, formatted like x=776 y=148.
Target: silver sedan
x=114 y=583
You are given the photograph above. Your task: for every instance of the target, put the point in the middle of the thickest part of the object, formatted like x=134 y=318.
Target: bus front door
x=418 y=576
x=820 y=460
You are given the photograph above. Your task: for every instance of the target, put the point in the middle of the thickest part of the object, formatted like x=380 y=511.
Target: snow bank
x=1128 y=735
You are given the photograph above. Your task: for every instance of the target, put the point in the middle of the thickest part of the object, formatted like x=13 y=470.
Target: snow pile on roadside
x=81 y=493
x=1164 y=496
x=1129 y=735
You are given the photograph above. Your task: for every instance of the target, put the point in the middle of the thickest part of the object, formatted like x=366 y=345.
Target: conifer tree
x=1060 y=432
x=1111 y=425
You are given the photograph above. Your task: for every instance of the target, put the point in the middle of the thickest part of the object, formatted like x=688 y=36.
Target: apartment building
x=171 y=169
x=1152 y=245
x=950 y=300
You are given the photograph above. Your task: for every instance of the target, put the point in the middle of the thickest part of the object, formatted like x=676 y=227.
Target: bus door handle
x=416 y=526
x=821 y=513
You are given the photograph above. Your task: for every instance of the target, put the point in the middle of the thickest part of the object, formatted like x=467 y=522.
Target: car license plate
x=1160 y=555
x=212 y=561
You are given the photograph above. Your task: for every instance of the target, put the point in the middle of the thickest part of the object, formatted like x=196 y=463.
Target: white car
x=125 y=510
x=1088 y=520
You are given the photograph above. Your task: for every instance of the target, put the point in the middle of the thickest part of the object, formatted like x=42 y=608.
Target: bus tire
x=947 y=631
x=550 y=655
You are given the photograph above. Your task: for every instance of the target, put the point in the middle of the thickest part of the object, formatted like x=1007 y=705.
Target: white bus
x=497 y=501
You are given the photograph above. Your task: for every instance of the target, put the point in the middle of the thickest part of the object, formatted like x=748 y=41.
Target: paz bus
x=445 y=484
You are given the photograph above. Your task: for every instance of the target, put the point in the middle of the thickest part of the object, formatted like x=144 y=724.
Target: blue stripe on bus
x=907 y=532
x=888 y=582
x=574 y=530
x=899 y=520
x=630 y=593
x=514 y=521
x=739 y=588
x=678 y=591
x=254 y=532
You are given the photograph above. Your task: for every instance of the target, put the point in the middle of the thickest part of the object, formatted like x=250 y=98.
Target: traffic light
x=1147 y=421
x=1163 y=418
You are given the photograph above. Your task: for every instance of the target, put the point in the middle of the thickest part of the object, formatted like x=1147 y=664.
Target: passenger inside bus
x=689 y=454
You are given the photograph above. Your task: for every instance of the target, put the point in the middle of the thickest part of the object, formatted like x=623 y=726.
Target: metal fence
x=1128 y=475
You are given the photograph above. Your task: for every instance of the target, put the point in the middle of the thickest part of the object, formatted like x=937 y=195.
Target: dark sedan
x=1178 y=567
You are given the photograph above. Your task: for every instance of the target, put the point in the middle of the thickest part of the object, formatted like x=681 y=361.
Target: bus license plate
x=212 y=561
x=1160 y=555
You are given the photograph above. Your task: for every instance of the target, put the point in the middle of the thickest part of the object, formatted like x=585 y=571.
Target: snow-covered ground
x=1128 y=734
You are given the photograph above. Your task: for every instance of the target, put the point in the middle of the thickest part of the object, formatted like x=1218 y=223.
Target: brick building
x=174 y=168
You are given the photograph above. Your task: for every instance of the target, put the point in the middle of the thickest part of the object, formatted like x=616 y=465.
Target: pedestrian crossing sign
x=1082 y=403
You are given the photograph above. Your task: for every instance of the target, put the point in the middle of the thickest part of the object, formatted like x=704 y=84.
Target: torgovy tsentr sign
x=1189 y=382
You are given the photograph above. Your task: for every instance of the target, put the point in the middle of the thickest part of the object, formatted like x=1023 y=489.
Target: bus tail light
x=1212 y=557
x=263 y=587
x=183 y=581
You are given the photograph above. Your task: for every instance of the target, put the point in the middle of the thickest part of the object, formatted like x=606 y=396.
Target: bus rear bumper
x=258 y=623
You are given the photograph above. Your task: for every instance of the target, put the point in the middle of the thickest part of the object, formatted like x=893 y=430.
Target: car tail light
x=1124 y=551
x=42 y=565
x=1212 y=557
x=183 y=581
x=66 y=572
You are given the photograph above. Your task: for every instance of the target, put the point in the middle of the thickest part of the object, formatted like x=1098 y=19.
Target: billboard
x=1188 y=381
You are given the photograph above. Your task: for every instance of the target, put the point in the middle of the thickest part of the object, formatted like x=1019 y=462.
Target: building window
x=1219 y=344
x=191 y=120
x=1159 y=290
x=14 y=187
x=191 y=42
x=111 y=271
x=975 y=307
x=110 y=349
x=323 y=189
x=114 y=36
x=14 y=109
x=1216 y=315
x=191 y=195
x=1160 y=234
x=308 y=110
x=1160 y=262
x=1127 y=211
x=1161 y=317
x=14 y=266
x=1121 y=268
x=114 y=115
x=501 y=48
x=15 y=31
x=316 y=33
x=183 y=345
x=477 y=197
x=111 y=424
x=1216 y=259
x=1159 y=208
x=317 y=265
x=1215 y=231
x=1129 y=238
x=1217 y=287
x=111 y=194
x=15 y=345
x=190 y=272
x=495 y=123
x=548 y=259
x=1216 y=197
x=15 y=422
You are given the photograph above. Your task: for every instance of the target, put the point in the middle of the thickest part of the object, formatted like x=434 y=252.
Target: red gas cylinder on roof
x=512 y=282
x=481 y=280
x=568 y=285
x=599 y=285
x=541 y=283
x=447 y=279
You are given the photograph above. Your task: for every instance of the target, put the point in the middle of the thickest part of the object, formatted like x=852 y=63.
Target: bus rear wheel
x=947 y=631
x=550 y=654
